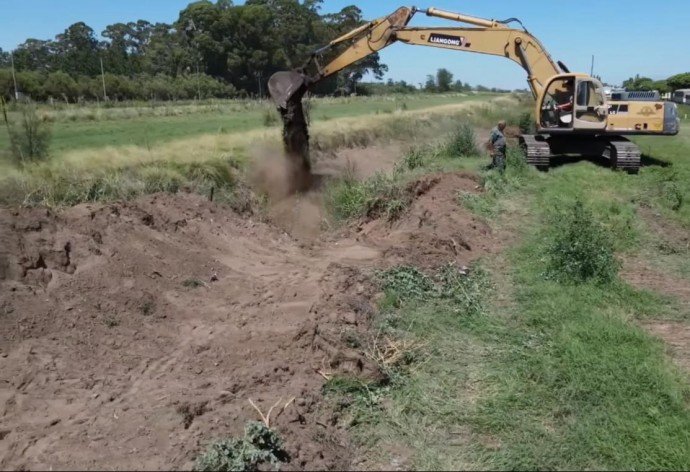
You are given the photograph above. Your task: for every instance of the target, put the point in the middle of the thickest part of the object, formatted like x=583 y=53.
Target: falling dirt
x=296 y=143
x=134 y=334
x=302 y=214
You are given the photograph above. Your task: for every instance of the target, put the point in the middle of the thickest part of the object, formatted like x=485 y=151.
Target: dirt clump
x=434 y=229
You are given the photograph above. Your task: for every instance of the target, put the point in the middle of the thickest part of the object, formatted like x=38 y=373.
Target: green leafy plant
x=464 y=288
x=526 y=123
x=462 y=142
x=580 y=249
x=260 y=445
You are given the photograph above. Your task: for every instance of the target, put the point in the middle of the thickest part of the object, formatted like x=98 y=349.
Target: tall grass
x=90 y=175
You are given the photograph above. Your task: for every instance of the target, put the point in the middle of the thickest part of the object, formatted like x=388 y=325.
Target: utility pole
x=14 y=78
x=105 y=95
x=591 y=70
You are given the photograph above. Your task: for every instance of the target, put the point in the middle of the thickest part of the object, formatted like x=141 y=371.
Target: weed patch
x=463 y=142
x=379 y=196
x=580 y=248
x=260 y=445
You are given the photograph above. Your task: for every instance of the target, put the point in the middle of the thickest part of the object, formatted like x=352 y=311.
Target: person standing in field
x=497 y=146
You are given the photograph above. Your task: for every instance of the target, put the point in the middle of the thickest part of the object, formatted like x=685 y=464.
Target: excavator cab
x=572 y=102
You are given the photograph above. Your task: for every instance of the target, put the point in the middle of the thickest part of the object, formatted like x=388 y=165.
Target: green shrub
x=260 y=445
x=462 y=142
x=415 y=157
x=30 y=138
x=526 y=123
x=378 y=196
x=580 y=249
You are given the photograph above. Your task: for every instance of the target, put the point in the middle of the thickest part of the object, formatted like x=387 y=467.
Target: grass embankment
x=214 y=160
x=536 y=359
x=89 y=127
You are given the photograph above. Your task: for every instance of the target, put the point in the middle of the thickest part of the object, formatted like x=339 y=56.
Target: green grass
x=127 y=172
x=92 y=129
x=550 y=372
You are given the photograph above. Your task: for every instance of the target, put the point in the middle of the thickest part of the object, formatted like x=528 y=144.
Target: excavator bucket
x=286 y=85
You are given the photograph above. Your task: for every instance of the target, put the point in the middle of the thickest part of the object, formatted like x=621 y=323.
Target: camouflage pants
x=498 y=160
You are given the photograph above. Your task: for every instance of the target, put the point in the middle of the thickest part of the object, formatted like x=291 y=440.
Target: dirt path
x=644 y=273
x=134 y=334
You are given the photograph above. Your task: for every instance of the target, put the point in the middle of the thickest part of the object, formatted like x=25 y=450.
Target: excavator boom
x=367 y=39
x=487 y=37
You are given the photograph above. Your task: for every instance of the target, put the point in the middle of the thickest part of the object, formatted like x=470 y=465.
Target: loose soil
x=133 y=334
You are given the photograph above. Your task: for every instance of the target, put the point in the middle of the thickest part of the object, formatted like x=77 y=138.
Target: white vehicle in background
x=681 y=96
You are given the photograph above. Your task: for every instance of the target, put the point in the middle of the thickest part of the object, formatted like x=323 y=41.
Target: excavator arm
x=486 y=37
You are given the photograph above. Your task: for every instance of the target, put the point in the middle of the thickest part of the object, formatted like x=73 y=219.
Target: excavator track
x=537 y=153
x=625 y=155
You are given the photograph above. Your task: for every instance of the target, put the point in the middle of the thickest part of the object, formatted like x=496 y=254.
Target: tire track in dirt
x=147 y=338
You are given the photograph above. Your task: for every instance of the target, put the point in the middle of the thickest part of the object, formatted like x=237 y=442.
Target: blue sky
x=625 y=37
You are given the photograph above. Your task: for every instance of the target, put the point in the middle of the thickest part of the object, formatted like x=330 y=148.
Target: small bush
x=462 y=142
x=526 y=123
x=30 y=138
x=581 y=249
x=415 y=158
x=380 y=195
x=260 y=445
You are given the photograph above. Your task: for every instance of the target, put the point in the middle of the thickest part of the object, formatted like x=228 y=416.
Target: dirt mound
x=435 y=229
x=133 y=334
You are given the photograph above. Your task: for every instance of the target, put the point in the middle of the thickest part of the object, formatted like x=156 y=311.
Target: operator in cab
x=565 y=109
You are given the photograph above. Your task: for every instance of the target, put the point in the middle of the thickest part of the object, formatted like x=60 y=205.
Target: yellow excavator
x=572 y=113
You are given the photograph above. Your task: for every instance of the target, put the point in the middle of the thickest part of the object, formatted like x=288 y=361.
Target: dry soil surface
x=133 y=334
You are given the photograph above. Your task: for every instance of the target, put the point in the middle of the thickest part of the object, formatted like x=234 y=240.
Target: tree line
x=675 y=82
x=212 y=50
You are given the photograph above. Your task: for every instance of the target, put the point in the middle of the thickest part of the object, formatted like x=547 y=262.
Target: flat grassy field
x=79 y=128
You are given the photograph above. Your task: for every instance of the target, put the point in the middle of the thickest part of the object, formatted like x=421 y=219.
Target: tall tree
x=78 y=51
x=36 y=55
x=444 y=80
